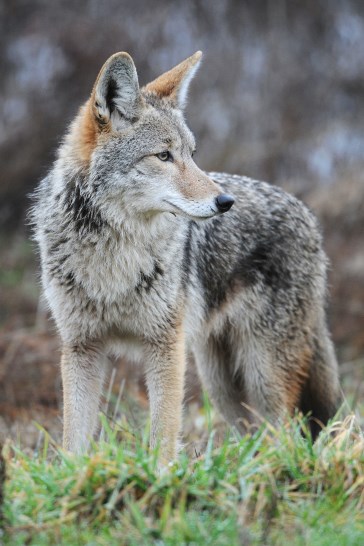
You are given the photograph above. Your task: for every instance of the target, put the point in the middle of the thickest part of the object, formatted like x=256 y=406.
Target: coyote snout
x=195 y=194
x=202 y=209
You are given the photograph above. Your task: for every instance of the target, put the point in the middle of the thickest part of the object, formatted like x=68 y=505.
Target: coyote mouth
x=191 y=215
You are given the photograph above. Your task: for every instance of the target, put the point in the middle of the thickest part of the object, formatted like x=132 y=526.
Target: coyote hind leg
x=241 y=381
x=242 y=396
x=213 y=363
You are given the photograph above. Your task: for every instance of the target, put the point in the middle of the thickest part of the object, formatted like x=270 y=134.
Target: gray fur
x=129 y=264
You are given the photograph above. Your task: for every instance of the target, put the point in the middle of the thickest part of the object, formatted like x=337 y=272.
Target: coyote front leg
x=165 y=380
x=83 y=370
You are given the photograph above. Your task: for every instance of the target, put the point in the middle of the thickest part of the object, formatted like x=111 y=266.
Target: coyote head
x=136 y=147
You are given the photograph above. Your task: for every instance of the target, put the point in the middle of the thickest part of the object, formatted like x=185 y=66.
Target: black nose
x=224 y=202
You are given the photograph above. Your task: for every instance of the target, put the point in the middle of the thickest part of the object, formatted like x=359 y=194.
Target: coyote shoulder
x=142 y=255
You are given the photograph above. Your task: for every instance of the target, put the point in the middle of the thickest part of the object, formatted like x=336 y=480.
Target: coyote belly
x=142 y=249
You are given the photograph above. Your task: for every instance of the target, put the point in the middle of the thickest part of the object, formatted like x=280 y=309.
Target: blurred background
x=279 y=97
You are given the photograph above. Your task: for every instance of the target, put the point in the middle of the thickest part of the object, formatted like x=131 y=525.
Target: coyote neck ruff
x=138 y=257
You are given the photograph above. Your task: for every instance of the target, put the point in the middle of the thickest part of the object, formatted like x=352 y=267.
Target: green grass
x=271 y=488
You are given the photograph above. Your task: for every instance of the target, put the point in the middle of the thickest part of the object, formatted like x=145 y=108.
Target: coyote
x=142 y=256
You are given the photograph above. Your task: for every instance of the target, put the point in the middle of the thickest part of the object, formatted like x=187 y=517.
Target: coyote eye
x=165 y=156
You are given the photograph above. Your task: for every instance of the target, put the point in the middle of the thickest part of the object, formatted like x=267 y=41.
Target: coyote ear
x=116 y=96
x=174 y=84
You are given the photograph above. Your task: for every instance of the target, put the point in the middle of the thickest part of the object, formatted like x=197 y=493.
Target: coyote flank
x=139 y=259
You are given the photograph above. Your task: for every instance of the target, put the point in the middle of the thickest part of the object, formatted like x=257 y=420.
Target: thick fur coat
x=141 y=256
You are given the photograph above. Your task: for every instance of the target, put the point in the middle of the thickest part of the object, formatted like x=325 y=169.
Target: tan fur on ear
x=84 y=132
x=93 y=119
x=88 y=132
x=82 y=135
x=174 y=83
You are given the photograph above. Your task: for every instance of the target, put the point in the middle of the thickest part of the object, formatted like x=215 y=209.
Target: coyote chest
x=121 y=287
